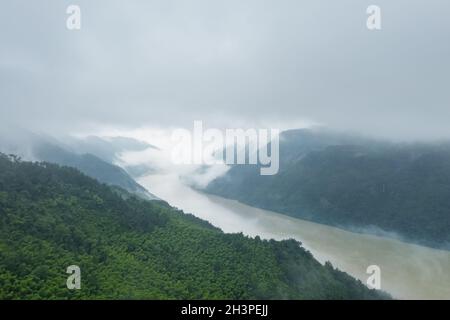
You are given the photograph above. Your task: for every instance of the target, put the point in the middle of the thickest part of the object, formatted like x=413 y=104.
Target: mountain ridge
x=354 y=184
x=52 y=217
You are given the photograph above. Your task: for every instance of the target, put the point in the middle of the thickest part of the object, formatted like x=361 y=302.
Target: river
x=408 y=271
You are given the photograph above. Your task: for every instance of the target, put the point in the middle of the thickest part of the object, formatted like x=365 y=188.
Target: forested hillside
x=353 y=183
x=52 y=217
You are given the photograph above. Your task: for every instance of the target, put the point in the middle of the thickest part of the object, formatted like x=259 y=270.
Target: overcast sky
x=229 y=63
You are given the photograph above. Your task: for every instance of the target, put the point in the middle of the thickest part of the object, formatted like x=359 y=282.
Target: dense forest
x=359 y=184
x=52 y=217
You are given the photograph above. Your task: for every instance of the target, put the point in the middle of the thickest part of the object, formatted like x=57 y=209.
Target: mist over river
x=408 y=271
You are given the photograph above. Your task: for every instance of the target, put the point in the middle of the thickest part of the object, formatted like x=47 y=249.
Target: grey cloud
x=165 y=62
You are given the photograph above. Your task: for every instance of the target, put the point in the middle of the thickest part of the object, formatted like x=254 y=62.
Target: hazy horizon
x=163 y=64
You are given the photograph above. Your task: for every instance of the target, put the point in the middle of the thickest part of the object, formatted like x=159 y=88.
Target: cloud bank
x=228 y=63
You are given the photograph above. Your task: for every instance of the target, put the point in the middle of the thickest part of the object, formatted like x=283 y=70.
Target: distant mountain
x=92 y=166
x=110 y=149
x=106 y=149
x=52 y=217
x=44 y=148
x=354 y=183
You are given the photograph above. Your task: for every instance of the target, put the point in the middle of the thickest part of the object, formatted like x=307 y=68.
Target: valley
x=408 y=271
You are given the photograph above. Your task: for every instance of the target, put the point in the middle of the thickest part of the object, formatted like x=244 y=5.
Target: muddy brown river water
x=408 y=271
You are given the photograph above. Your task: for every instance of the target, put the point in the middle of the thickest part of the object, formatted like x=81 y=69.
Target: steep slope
x=355 y=184
x=52 y=217
x=92 y=166
x=106 y=149
x=32 y=146
x=110 y=150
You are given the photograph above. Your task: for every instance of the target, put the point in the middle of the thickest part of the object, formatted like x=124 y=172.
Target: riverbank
x=408 y=271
